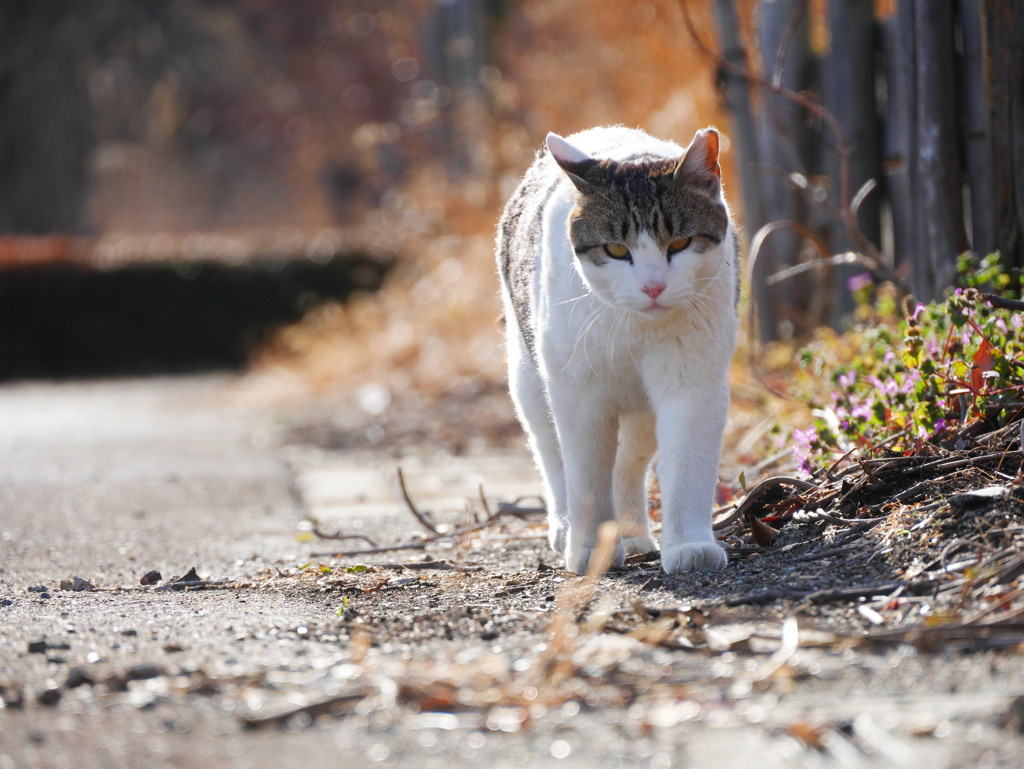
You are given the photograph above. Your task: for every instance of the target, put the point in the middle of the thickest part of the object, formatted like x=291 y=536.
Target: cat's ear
x=700 y=162
x=571 y=159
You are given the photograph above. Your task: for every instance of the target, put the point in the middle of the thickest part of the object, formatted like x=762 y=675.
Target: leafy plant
x=936 y=376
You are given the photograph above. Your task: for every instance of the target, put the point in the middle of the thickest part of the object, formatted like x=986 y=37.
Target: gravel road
x=285 y=654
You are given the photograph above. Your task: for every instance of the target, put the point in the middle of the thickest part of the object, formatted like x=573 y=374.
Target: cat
x=619 y=269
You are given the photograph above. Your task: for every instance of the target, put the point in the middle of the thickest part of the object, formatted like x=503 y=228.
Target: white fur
x=618 y=378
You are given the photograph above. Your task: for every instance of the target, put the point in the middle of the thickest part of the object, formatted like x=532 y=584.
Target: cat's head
x=648 y=235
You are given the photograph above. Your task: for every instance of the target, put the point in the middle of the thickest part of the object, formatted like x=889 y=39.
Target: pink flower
x=857 y=282
x=803 y=441
x=861 y=411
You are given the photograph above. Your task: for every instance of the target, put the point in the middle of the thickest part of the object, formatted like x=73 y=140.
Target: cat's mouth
x=654 y=309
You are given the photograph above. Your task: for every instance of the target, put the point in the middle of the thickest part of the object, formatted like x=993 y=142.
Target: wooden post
x=736 y=92
x=850 y=95
x=782 y=150
x=975 y=126
x=899 y=158
x=1004 y=33
x=940 y=181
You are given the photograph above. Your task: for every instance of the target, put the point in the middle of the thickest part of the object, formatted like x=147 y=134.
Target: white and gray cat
x=618 y=262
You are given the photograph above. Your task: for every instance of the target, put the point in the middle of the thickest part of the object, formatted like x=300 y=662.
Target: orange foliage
x=563 y=65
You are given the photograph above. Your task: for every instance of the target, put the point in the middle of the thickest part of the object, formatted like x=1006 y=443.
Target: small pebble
x=78 y=676
x=50 y=697
x=150 y=577
x=142 y=672
x=191 y=576
x=76 y=583
x=1015 y=715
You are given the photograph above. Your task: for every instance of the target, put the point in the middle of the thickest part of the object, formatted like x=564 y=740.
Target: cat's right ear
x=571 y=159
x=699 y=165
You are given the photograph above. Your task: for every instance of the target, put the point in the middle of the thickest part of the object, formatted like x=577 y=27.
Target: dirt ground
x=285 y=648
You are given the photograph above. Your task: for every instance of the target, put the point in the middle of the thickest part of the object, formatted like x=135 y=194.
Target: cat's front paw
x=697 y=555
x=577 y=561
x=639 y=545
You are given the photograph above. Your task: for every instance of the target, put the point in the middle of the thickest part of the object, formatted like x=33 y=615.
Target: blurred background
x=310 y=189
x=190 y=184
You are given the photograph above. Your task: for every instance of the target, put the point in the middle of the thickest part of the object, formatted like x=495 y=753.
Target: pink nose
x=654 y=290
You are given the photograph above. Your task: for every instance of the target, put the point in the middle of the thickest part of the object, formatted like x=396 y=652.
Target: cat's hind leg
x=637 y=445
x=530 y=398
x=587 y=433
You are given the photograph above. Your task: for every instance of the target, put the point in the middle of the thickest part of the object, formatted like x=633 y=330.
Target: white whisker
x=586 y=354
x=585 y=327
x=570 y=301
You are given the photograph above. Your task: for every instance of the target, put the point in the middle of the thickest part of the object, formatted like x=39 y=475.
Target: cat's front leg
x=587 y=436
x=690 y=425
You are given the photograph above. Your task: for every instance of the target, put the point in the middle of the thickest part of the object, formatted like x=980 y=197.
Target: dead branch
x=421 y=544
x=1002 y=303
x=417 y=545
x=814 y=596
x=200 y=584
x=518 y=511
x=331 y=706
x=421 y=517
x=780 y=54
x=323 y=535
x=428 y=566
x=755 y=493
x=483 y=501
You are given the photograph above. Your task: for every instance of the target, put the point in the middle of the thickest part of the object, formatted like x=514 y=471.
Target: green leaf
x=911 y=358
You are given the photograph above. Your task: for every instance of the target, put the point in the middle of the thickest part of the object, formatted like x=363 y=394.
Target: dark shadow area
x=66 y=320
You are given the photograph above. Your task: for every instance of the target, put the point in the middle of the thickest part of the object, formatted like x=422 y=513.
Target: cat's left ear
x=701 y=159
x=571 y=159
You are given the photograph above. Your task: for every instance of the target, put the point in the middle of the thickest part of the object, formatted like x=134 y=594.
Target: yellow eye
x=616 y=251
x=679 y=245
